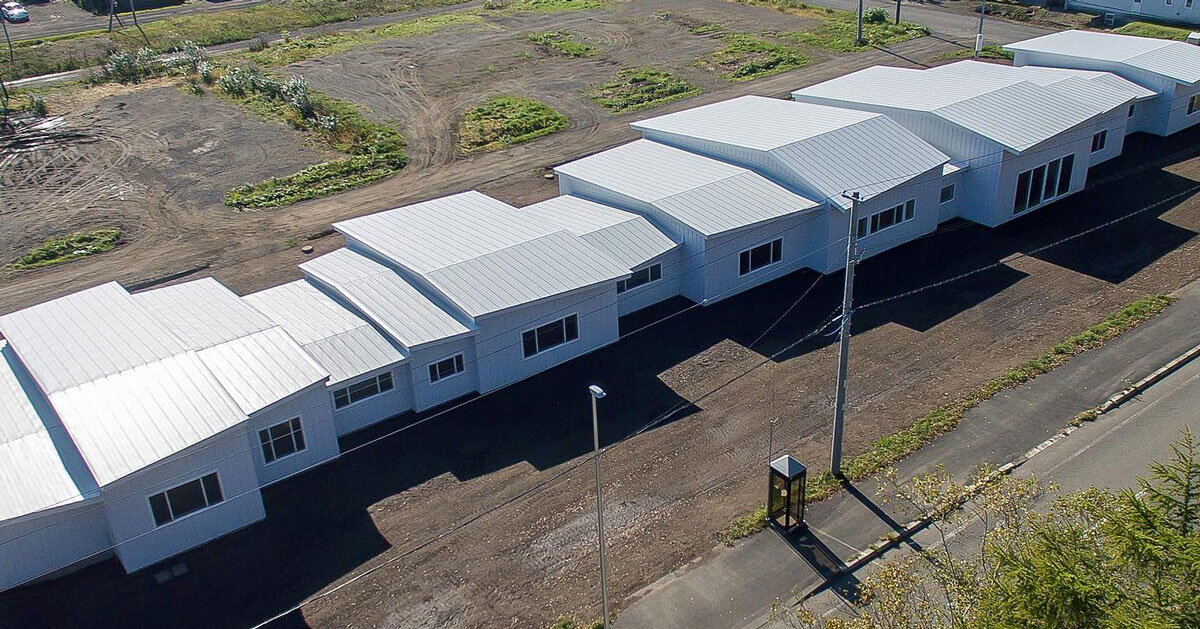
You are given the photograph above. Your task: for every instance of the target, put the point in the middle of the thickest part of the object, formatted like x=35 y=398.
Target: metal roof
x=1174 y=60
x=709 y=195
x=435 y=234
x=1015 y=115
x=386 y=298
x=551 y=265
x=829 y=150
x=252 y=357
x=340 y=341
x=32 y=474
x=624 y=236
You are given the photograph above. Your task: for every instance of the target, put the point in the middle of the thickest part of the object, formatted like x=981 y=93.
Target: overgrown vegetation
x=375 y=150
x=747 y=57
x=63 y=248
x=1161 y=31
x=987 y=52
x=92 y=48
x=1092 y=558
x=839 y=33
x=561 y=42
x=641 y=89
x=505 y=121
x=943 y=419
x=291 y=50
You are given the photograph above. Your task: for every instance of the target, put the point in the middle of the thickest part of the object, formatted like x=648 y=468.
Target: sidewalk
x=734 y=587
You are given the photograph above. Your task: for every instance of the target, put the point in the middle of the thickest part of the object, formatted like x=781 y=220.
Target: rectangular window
x=190 y=497
x=446 y=368
x=756 y=258
x=281 y=439
x=947 y=194
x=1193 y=104
x=362 y=390
x=1099 y=141
x=552 y=334
x=641 y=277
x=891 y=216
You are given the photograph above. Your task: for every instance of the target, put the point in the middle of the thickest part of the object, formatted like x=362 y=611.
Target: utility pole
x=597 y=393
x=979 y=36
x=859 y=41
x=839 y=403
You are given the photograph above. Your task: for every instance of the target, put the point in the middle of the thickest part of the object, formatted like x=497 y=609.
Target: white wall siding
x=426 y=394
x=373 y=410
x=140 y=543
x=314 y=408
x=499 y=345
x=35 y=547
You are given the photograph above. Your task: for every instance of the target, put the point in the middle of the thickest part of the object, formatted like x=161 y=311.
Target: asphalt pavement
x=735 y=587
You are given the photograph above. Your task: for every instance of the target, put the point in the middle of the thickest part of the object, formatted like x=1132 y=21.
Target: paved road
x=735 y=587
x=1108 y=453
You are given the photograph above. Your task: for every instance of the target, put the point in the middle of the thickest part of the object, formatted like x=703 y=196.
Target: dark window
x=189 y=497
x=362 y=390
x=446 y=368
x=1021 y=203
x=1064 y=177
x=640 y=277
x=760 y=256
x=550 y=335
x=281 y=439
x=947 y=194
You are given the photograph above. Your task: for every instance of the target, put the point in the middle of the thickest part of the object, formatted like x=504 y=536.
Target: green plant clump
x=641 y=89
x=747 y=57
x=63 y=248
x=1160 y=31
x=505 y=121
x=561 y=42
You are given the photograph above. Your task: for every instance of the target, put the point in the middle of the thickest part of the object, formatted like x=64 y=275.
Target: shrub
x=875 y=16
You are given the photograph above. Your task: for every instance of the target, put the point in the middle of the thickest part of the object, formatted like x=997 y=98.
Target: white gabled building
x=1169 y=68
x=823 y=152
x=738 y=228
x=1022 y=145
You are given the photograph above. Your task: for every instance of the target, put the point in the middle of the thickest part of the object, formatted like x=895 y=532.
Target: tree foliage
x=1089 y=559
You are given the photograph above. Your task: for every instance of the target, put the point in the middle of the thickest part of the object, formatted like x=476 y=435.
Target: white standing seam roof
x=1174 y=60
x=384 y=297
x=33 y=476
x=339 y=340
x=252 y=357
x=708 y=195
x=829 y=150
x=624 y=236
x=481 y=254
x=1015 y=115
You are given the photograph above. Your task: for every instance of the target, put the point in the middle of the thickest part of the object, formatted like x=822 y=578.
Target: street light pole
x=597 y=393
x=839 y=404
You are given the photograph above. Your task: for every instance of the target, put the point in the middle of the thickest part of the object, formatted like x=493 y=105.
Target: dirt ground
x=483 y=517
x=176 y=222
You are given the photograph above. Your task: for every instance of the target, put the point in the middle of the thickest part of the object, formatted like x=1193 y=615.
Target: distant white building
x=1022 y=144
x=1171 y=69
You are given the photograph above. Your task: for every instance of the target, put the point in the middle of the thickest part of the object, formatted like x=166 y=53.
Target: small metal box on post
x=785 y=498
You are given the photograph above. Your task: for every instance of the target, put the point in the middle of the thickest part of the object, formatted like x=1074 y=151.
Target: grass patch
x=892 y=448
x=641 y=89
x=1146 y=29
x=59 y=54
x=839 y=33
x=63 y=248
x=375 y=151
x=293 y=50
x=505 y=121
x=561 y=42
x=747 y=57
x=987 y=52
